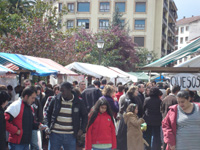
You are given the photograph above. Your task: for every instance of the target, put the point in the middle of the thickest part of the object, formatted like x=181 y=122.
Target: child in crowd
x=135 y=139
x=4 y=98
x=101 y=130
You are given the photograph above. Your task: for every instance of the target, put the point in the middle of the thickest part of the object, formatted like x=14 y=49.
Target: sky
x=187 y=8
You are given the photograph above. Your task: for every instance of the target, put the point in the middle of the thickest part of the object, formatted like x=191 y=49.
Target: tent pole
x=150 y=76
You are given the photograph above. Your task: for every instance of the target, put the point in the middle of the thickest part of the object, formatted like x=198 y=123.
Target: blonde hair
x=108 y=90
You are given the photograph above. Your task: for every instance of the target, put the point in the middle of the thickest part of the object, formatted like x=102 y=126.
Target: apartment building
x=187 y=30
x=151 y=22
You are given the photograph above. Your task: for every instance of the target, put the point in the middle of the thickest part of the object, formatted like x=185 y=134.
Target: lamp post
x=100 y=45
x=149 y=57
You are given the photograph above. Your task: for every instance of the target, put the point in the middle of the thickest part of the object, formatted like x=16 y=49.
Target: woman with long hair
x=101 y=130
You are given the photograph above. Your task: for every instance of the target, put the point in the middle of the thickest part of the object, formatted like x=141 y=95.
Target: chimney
x=192 y=15
x=183 y=17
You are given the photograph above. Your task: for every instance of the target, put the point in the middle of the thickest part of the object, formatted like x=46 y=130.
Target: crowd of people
x=102 y=116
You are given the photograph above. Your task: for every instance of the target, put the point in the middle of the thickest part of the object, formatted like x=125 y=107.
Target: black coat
x=79 y=113
x=2 y=130
x=90 y=96
x=152 y=114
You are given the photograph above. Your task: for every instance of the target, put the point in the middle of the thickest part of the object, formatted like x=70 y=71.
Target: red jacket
x=169 y=126
x=118 y=95
x=19 y=116
x=102 y=131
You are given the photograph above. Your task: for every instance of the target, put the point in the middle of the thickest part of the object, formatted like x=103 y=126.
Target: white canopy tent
x=98 y=72
x=132 y=77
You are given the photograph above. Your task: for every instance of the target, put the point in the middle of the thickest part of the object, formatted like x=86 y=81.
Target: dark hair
x=118 y=84
x=4 y=97
x=155 y=92
x=104 y=81
x=29 y=91
x=110 y=83
x=95 y=111
x=120 y=88
x=97 y=83
x=43 y=83
x=77 y=91
x=153 y=82
x=9 y=87
x=38 y=87
x=191 y=94
x=183 y=94
x=131 y=107
x=140 y=85
x=56 y=87
x=49 y=86
x=75 y=82
x=176 y=88
x=67 y=85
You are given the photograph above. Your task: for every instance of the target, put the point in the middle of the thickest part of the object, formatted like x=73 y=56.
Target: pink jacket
x=169 y=126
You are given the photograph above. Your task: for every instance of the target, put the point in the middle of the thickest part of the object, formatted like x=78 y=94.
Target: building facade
x=187 y=30
x=151 y=22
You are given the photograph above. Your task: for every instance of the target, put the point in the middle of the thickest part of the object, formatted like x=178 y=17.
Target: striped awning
x=176 y=55
x=26 y=64
x=4 y=70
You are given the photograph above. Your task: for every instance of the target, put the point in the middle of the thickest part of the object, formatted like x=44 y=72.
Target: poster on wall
x=189 y=81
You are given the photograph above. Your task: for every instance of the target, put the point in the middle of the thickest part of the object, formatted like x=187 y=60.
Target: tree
x=116 y=20
x=142 y=54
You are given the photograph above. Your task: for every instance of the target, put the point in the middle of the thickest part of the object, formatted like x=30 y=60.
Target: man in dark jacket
x=91 y=95
x=140 y=92
x=66 y=119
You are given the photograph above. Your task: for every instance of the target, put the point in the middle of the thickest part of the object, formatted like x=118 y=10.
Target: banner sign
x=186 y=81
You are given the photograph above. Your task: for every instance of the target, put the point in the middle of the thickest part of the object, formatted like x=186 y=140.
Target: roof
x=94 y=70
x=4 y=70
x=140 y=75
x=26 y=64
x=53 y=65
x=132 y=77
x=187 y=20
x=176 y=55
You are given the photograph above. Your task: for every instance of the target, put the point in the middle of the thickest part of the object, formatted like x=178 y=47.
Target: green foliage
x=117 y=19
x=142 y=54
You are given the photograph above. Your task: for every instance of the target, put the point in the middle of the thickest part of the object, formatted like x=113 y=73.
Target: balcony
x=165 y=5
x=172 y=15
x=171 y=42
x=171 y=28
x=163 y=52
x=164 y=35
x=164 y=20
x=168 y=52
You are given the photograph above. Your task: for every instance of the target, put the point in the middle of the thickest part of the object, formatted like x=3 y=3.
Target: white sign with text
x=186 y=80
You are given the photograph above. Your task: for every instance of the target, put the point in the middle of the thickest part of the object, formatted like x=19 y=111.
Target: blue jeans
x=67 y=141
x=34 y=140
x=101 y=149
x=12 y=146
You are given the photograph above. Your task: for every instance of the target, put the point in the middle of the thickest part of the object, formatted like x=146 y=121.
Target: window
x=83 y=7
x=181 y=40
x=103 y=24
x=186 y=39
x=104 y=7
x=70 y=7
x=187 y=28
x=83 y=23
x=70 y=24
x=139 y=24
x=59 y=7
x=182 y=29
x=139 y=41
x=140 y=7
x=120 y=6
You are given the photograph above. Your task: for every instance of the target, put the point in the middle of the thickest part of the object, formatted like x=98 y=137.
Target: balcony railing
x=163 y=52
x=165 y=5
x=171 y=28
x=164 y=35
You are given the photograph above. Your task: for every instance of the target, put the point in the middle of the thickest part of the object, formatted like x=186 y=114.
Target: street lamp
x=149 y=57
x=100 y=45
